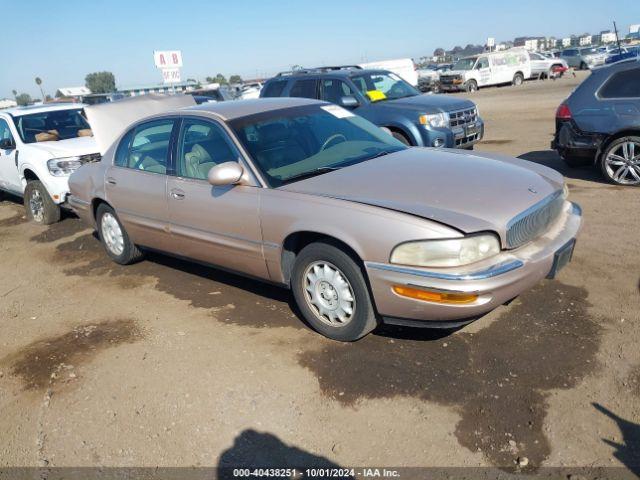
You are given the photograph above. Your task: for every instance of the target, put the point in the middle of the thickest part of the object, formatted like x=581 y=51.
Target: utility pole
x=615 y=29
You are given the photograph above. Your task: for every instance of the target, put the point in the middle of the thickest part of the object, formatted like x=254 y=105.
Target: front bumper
x=495 y=281
x=453 y=137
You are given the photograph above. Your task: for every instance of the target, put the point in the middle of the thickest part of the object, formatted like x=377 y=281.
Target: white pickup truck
x=40 y=146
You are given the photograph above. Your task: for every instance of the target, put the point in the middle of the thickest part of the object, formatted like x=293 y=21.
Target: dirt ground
x=166 y=363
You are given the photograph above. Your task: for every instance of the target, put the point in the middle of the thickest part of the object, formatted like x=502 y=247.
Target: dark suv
x=600 y=123
x=386 y=100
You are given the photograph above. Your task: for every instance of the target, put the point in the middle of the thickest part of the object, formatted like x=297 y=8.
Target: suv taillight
x=563 y=112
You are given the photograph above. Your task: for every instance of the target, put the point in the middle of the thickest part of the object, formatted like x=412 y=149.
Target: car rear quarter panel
x=372 y=232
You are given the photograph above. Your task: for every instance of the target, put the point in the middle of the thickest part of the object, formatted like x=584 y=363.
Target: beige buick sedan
x=305 y=194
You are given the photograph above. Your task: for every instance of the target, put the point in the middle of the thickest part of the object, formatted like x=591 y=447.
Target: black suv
x=388 y=101
x=599 y=123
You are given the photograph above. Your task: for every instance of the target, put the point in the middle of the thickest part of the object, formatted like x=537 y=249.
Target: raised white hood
x=109 y=120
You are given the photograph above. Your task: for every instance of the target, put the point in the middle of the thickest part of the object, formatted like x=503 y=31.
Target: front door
x=217 y=225
x=484 y=71
x=9 y=173
x=136 y=184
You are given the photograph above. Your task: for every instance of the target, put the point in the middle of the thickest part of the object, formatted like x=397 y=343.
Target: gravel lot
x=173 y=364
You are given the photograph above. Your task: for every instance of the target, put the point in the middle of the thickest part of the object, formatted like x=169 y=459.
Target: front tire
x=114 y=237
x=399 y=136
x=620 y=161
x=471 y=86
x=330 y=289
x=40 y=206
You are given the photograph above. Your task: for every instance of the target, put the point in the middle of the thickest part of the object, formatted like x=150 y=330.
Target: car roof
x=344 y=72
x=242 y=108
x=51 y=107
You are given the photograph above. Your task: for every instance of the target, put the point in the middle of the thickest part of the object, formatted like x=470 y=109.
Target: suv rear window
x=304 y=88
x=274 y=89
x=624 y=84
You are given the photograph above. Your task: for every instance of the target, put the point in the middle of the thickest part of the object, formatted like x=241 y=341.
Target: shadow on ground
x=551 y=159
x=497 y=379
x=255 y=450
x=627 y=452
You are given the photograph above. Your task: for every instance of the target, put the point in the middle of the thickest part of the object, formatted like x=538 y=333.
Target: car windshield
x=465 y=63
x=377 y=86
x=300 y=142
x=52 y=126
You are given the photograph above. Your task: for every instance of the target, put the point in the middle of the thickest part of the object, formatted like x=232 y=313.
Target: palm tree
x=39 y=83
x=15 y=93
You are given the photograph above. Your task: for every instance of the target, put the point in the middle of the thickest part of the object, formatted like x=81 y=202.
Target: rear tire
x=330 y=289
x=401 y=137
x=518 y=79
x=618 y=156
x=114 y=237
x=471 y=86
x=583 y=66
x=40 y=206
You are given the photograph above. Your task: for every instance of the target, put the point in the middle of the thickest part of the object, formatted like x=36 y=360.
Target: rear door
x=136 y=184
x=218 y=225
x=305 y=88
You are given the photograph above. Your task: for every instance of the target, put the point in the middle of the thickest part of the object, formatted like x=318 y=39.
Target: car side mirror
x=227 y=173
x=349 y=101
x=7 y=144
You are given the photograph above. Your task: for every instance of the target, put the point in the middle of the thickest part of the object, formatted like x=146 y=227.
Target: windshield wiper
x=311 y=173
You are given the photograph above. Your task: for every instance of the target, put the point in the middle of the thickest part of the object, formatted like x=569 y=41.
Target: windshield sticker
x=376 y=95
x=337 y=111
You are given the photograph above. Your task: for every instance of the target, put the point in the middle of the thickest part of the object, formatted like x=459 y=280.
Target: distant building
x=563 y=42
x=74 y=93
x=7 y=103
x=138 y=90
x=585 y=40
x=607 y=37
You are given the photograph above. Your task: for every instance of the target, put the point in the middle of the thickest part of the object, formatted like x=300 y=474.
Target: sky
x=62 y=41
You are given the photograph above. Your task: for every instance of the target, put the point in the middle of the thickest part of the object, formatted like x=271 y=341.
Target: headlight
x=61 y=167
x=435 y=120
x=446 y=253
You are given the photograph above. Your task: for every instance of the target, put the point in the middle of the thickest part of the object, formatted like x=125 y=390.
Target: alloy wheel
x=36 y=205
x=622 y=163
x=112 y=234
x=329 y=294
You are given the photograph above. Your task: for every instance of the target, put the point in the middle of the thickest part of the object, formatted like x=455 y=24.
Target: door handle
x=111 y=181
x=177 y=194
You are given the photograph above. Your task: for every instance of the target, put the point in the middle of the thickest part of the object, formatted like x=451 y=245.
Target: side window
x=203 y=145
x=274 y=89
x=483 y=63
x=5 y=132
x=149 y=147
x=304 y=88
x=624 y=84
x=333 y=90
x=122 y=153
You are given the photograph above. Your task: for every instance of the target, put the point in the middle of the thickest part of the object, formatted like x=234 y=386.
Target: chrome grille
x=460 y=118
x=534 y=221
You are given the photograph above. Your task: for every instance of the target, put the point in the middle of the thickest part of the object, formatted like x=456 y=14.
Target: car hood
x=430 y=103
x=71 y=147
x=469 y=192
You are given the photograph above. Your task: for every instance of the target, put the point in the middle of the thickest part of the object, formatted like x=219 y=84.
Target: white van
x=404 y=67
x=470 y=73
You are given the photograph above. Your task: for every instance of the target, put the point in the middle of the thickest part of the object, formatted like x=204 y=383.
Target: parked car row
x=288 y=190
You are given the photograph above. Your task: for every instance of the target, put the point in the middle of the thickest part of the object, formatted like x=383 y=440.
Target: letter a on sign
x=168 y=58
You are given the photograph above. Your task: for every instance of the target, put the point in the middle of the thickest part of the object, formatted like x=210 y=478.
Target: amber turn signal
x=437 y=297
